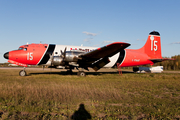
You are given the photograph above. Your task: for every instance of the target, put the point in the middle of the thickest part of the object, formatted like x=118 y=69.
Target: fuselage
x=70 y=57
x=39 y=54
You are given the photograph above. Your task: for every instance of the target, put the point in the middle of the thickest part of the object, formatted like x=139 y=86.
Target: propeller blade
x=51 y=58
x=61 y=52
x=65 y=52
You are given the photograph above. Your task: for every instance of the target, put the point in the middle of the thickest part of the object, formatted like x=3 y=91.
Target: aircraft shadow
x=81 y=114
x=75 y=73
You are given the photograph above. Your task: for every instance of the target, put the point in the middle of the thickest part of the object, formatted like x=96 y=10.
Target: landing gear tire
x=81 y=73
x=22 y=73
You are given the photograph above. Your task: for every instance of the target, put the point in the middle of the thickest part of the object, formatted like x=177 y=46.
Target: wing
x=99 y=57
x=106 y=51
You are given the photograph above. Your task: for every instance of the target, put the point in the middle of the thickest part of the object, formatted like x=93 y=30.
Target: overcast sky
x=89 y=22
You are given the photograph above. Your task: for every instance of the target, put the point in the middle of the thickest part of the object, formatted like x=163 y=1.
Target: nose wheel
x=22 y=73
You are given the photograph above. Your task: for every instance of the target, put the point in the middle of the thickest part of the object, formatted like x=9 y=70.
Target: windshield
x=21 y=48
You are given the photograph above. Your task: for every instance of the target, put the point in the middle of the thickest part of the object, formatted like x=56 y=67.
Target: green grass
x=104 y=96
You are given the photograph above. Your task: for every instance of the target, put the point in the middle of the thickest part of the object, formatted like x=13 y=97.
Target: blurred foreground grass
x=96 y=96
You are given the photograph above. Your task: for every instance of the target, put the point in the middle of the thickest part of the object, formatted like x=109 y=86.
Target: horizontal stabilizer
x=155 y=60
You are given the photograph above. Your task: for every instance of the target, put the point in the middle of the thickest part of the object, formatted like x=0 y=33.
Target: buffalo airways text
x=80 y=49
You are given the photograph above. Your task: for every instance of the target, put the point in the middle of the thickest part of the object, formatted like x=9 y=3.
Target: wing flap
x=100 y=63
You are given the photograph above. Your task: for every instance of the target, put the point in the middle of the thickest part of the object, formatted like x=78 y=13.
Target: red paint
x=115 y=43
x=152 y=48
x=142 y=56
x=135 y=58
x=16 y=63
x=28 y=54
x=99 y=49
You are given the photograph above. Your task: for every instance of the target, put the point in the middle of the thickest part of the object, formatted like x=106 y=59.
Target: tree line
x=173 y=64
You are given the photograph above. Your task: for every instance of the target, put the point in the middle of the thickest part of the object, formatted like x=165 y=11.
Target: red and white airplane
x=70 y=57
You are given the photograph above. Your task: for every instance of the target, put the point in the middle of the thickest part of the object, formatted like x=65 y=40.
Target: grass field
x=97 y=96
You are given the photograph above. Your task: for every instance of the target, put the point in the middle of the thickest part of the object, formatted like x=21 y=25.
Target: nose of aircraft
x=6 y=55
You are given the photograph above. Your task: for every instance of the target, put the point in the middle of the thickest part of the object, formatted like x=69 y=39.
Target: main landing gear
x=22 y=72
x=81 y=73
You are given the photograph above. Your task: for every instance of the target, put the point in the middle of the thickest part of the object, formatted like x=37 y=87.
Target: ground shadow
x=75 y=73
x=81 y=114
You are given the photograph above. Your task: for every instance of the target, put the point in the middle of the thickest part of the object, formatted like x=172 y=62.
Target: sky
x=89 y=23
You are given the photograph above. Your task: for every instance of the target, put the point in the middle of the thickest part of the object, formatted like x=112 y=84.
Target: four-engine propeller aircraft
x=70 y=57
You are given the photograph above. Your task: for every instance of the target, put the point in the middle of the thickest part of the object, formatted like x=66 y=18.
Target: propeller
x=63 y=54
x=51 y=58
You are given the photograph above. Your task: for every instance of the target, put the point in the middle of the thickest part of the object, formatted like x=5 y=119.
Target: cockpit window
x=25 y=49
x=21 y=48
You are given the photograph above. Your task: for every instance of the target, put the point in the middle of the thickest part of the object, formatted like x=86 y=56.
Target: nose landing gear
x=22 y=72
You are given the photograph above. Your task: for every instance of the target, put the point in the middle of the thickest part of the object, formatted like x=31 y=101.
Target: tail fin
x=153 y=46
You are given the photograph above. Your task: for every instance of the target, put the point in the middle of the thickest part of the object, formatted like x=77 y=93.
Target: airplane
x=70 y=57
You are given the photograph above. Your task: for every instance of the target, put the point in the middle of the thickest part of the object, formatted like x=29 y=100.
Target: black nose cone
x=6 y=55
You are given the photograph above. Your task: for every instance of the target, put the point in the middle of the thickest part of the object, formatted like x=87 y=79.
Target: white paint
x=59 y=48
x=153 y=44
x=152 y=38
x=29 y=56
x=113 y=60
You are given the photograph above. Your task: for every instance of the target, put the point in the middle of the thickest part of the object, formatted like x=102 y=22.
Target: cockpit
x=22 y=48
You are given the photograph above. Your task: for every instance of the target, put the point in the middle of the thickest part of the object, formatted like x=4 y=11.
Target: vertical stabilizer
x=153 y=46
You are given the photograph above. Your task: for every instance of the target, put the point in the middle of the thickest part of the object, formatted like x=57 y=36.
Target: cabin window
x=25 y=49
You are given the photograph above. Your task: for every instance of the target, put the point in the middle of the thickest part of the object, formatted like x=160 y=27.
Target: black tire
x=81 y=73
x=135 y=69
x=22 y=73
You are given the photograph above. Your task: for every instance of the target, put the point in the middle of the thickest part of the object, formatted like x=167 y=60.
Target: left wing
x=99 y=57
x=106 y=51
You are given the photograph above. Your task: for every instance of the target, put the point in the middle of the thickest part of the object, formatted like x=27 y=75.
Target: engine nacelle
x=70 y=56
x=57 y=60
